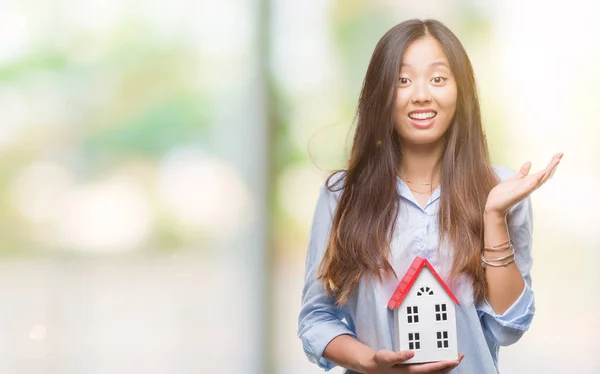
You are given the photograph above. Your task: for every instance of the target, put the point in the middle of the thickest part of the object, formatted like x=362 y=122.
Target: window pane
x=411 y=345
x=445 y=334
x=443 y=307
x=416 y=310
x=439 y=335
x=437 y=307
x=416 y=318
x=417 y=336
x=409 y=310
x=409 y=319
x=410 y=336
x=439 y=344
x=437 y=317
x=445 y=344
x=417 y=345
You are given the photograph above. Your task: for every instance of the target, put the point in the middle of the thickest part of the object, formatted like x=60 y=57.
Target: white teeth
x=422 y=115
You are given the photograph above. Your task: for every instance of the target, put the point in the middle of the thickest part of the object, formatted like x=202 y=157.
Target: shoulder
x=336 y=180
x=334 y=184
x=330 y=192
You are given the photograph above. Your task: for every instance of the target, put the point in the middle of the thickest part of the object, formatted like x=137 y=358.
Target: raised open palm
x=508 y=193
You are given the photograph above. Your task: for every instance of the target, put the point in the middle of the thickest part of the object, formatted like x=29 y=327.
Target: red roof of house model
x=410 y=277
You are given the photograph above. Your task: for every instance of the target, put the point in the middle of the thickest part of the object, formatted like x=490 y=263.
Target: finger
x=552 y=172
x=547 y=175
x=383 y=357
x=431 y=367
x=402 y=356
x=533 y=182
x=551 y=168
x=524 y=170
x=530 y=183
x=444 y=371
x=554 y=161
x=542 y=177
x=447 y=370
x=390 y=357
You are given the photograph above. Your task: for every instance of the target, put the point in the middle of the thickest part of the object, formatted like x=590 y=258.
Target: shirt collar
x=406 y=193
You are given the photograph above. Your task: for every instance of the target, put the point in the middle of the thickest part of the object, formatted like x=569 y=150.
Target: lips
x=422 y=124
x=422 y=118
x=422 y=114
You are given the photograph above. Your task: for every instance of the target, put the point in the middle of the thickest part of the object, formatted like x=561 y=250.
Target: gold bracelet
x=500 y=247
x=512 y=253
x=493 y=261
x=484 y=263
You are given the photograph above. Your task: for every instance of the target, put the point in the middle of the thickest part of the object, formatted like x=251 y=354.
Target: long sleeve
x=507 y=328
x=320 y=319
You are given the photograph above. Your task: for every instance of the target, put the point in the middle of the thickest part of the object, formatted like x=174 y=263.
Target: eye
x=439 y=80
x=403 y=81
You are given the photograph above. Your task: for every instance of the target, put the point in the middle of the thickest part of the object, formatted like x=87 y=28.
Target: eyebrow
x=436 y=63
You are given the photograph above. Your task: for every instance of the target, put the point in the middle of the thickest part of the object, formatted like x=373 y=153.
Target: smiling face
x=426 y=94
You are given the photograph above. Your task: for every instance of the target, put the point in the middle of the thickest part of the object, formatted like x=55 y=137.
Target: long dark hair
x=359 y=243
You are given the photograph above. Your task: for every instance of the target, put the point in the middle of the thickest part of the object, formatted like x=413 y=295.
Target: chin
x=423 y=139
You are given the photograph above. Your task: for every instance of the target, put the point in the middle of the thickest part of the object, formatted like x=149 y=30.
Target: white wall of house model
x=425 y=315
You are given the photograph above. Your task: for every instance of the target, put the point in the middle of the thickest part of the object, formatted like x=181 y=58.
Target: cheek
x=448 y=99
x=401 y=100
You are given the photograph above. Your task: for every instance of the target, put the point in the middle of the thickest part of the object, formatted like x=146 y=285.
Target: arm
x=348 y=352
x=508 y=310
x=504 y=284
x=354 y=355
x=320 y=319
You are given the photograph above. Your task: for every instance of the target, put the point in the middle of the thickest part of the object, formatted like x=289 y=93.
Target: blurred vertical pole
x=269 y=126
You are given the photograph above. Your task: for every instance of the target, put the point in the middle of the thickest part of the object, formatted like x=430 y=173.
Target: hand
x=389 y=362
x=508 y=193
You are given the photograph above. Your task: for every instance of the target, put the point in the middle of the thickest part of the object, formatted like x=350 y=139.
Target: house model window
x=412 y=314
x=413 y=341
x=440 y=312
x=424 y=315
x=442 y=339
x=425 y=291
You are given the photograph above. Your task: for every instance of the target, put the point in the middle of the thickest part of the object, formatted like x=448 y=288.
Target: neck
x=420 y=162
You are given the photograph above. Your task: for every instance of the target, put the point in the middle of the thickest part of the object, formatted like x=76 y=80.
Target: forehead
x=425 y=52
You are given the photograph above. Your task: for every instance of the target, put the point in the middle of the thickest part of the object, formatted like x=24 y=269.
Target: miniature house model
x=424 y=315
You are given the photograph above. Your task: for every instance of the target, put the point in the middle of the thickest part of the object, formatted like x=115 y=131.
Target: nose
x=421 y=93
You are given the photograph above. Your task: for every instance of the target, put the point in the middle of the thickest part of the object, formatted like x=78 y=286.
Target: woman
x=419 y=183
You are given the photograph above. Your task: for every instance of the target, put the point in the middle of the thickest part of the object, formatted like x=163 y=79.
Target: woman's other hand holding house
x=389 y=362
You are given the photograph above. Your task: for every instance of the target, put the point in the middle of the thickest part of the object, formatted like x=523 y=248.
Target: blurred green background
x=160 y=162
